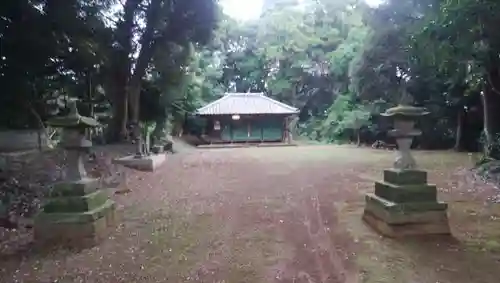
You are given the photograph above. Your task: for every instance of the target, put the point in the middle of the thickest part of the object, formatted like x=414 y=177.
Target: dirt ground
x=289 y=214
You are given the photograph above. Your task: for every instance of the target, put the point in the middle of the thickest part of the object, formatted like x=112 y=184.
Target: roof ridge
x=280 y=103
x=243 y=93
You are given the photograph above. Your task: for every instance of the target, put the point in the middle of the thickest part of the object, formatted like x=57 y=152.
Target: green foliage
x=339 y=61
x=429 y=49
x=53 y=49
x=341 y=119
x=47 y=49
x=298 y=52
x=343 y=63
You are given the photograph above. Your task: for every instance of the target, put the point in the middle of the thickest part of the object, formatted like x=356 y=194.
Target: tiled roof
x=245 y=103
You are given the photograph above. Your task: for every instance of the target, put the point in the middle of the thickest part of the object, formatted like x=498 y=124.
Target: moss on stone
x=406 y=193
x=79 y=188
x=76 y=203
x=76 y=217
x=405 y=177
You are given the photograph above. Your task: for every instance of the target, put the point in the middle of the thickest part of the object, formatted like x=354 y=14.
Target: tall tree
x=156 y=24
x=47 y=47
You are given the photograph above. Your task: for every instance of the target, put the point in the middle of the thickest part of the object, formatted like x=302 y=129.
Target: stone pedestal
x=404 y=205
x=157 y=149
x=76 y=214
x=145 y=163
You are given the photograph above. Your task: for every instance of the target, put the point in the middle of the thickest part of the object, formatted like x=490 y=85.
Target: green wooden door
x=226 y=131
x=273 y=130
x=240 y=131
x=255 y=131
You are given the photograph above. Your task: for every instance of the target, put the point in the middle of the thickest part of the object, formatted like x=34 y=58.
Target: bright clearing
x=246 y=10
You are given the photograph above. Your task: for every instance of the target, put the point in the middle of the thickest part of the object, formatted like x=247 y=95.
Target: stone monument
x=404 y=204
x=143 y=159
x=78 y=213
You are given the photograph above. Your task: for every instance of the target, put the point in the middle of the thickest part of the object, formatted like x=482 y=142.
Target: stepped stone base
x=410 y=229
x=146 y=163
x=404 y=205
x=395 y=220
x=77 y=215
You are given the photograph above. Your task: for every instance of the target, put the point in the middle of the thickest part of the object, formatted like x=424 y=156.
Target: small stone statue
x=146 y=143
x=135 y=129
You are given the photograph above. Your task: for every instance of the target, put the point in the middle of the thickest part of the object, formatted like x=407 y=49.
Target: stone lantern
x=403 y=203
x=404 y=118
x=78 y=212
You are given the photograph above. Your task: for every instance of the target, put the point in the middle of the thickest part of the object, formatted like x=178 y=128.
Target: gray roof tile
x=245 y=103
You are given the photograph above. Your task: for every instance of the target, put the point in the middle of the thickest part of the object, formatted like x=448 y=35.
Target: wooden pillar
x=231 y=137
x=249 y=129
x=262 y=123
x=209 y=133
x=288 y=131
x=285 y=129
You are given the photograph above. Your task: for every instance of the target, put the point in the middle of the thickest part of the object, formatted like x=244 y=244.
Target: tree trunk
x=118 y=125
x=148 y=44
x=117 y=90
x=120 y=74
x=491 y=112
x=459 y=129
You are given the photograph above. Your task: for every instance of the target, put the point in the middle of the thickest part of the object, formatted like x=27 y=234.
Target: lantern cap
x=405 y=111
x=73 y=119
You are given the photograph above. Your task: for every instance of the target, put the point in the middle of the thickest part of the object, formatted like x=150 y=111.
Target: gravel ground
x=288 y=214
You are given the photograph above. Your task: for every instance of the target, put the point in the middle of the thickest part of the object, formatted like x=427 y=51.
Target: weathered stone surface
x=73 y=119
x=439 y=226
x=145 y=163
x=394 y=219
x=77 y=231
x=76 y=217
x=405 y=112
x=157 y=149
x=76 y=188
x=404 y=204
x=405 y=208
x=84 y=203
x=406 y=193
x=405 y=177
x=77 y=212
x=386 y=211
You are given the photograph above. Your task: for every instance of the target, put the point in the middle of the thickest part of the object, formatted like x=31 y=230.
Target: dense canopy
x=340 y=62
